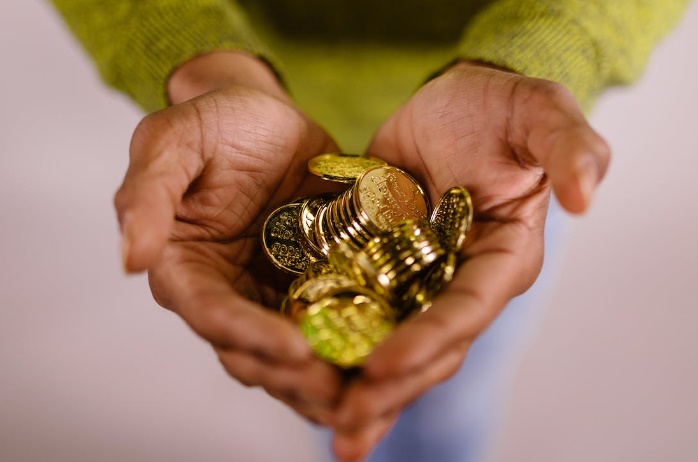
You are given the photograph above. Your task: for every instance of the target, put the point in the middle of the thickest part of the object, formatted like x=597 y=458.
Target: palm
x=465 y=140
x=510 y=140
x=223 y=162
x=250 y=167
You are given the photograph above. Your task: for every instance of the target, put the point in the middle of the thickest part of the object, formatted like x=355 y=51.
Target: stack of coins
x=388 y=262
x=367 y=258
x=381 y=197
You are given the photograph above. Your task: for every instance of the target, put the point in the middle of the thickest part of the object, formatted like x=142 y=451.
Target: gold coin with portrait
x=384 y=196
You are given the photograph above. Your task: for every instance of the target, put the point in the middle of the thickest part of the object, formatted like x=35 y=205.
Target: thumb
x=163 y=163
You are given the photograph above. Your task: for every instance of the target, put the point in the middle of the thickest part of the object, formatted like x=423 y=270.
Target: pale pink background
x=91 y=369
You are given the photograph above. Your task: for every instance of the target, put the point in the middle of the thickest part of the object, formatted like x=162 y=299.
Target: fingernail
x=125 y=242
x=588 y=181
x=125 y=251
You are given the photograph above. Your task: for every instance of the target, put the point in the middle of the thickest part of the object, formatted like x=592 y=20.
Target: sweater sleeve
x=136 y=44
x=587 y=45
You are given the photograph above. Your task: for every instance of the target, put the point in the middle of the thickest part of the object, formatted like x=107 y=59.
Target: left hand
x=510 y=140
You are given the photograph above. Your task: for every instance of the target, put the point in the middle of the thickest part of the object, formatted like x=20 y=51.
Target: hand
x=203 y=176
x=509 y=139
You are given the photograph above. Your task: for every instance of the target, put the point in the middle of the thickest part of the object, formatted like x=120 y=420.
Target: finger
x=546 y=123
x=314 y=382
x=506 y=259
x=204 y=298
x=356 y=445
x=366 y=400
x=314 y=413
x=165 y=157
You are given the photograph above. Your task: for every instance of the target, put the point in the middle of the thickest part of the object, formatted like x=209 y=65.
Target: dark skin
x=205 y=173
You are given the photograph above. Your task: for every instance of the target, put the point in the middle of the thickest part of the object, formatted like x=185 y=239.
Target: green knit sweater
x=349 y=63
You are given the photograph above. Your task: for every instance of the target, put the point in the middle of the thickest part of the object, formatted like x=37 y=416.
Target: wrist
x=219 y=70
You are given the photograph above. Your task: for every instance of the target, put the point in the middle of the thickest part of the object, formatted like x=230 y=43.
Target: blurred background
x=92 y=369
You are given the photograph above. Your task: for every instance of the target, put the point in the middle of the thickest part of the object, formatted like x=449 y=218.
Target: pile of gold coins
x=366 y=258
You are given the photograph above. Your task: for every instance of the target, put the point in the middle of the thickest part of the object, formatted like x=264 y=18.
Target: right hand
x=511 y=140
x=203 y=176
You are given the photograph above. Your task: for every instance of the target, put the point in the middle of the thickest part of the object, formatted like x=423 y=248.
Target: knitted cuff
x=538 y=39
x=161 y=35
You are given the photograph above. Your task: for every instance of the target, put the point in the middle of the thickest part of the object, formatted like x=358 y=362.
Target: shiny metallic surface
x=366 y=258
x=344 y=168
x=452 y=218
x=281 y=239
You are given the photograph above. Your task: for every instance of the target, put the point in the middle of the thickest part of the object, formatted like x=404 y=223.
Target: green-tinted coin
x=345 y=330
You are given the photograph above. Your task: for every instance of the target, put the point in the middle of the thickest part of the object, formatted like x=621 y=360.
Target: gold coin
x=308 y=213
x=385 y=196
x=344 y=168
x=452 y=218
x=409 y=242
x=420 y=293
x=281 y=239
x=340 y=222
x=322 y=235
x=361 y=253
x=335 y=227
x=353 y=263
x=401 y=255
x=380 y=275
x=350 y=219
x=312 y=290
x=309 y=250
x=296 y=284
x=318 y=268
x=349 y=231
x=345 y=330
x=341 y=258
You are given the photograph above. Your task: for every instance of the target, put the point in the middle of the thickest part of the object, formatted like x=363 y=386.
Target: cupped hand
x=510 y=140
x=203 y=176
